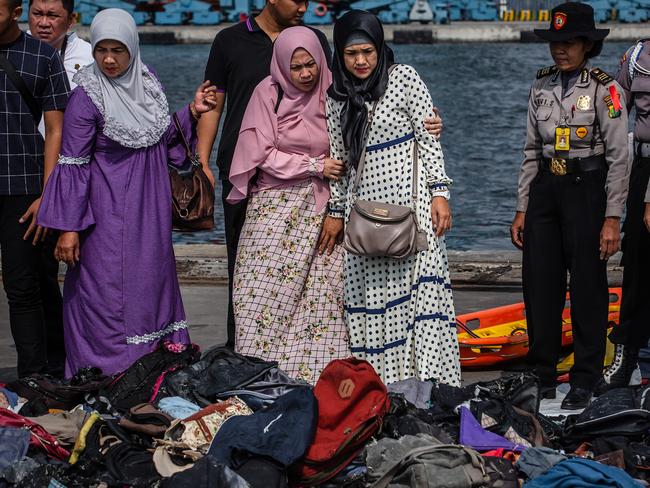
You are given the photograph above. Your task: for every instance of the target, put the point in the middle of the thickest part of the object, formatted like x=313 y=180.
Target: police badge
x=583 y=102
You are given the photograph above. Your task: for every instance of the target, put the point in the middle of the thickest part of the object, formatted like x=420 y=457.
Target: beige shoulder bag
x=382 y=229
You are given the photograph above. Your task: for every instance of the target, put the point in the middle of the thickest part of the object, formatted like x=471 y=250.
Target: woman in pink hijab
x=288 y=297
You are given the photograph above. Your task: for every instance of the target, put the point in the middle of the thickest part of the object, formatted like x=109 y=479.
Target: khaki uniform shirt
x=585 y=111
x=636 y=86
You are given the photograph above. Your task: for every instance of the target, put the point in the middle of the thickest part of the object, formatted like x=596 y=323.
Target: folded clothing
x=178 y=407
x=281 y=432
x=583 y=473
x=206 y=472
x=65 y=426
x=536 y=461
x=8 y=399
x=14 y=443
x=146 y=419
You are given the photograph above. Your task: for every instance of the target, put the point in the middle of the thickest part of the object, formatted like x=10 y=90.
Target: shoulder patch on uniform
x=600 y=76
x=546 y=71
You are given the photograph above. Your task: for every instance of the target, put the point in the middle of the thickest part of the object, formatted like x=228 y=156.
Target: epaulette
x=601 y=77
x=546 y=71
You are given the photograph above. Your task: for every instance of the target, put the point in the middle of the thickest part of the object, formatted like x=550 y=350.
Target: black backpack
x=141 y=382
x=219 y=370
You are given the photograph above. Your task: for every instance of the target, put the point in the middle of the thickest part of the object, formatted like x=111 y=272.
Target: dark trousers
x=634 y=329
x=234 y=216
x=562 y=234
x=52 y=302
x=26 y=273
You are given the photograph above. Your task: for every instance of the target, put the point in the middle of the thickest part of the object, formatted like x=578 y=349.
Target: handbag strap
x=188 y=150
x=366 y=134
x=19 y=84
x=362 y=159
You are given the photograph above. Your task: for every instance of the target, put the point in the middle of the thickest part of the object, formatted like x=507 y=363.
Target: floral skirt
x=288 y=299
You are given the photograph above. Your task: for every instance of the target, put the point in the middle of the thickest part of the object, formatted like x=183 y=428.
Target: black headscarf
x=348 y=88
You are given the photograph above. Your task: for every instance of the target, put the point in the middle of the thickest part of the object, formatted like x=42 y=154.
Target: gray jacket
x=635 y=82
x=585 y=110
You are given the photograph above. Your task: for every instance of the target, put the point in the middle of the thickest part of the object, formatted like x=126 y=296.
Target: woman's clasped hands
x=205 y=98
x=333 y=169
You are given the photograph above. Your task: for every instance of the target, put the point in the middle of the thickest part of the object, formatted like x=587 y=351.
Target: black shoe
x=56 y=370
x=624 y=370
x=576 y=399
x=547 y=392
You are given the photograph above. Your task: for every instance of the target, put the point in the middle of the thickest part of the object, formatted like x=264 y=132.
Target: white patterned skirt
x=288 y=299
x=400 y=314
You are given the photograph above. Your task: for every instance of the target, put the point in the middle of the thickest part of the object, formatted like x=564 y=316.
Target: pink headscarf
x=299 y=127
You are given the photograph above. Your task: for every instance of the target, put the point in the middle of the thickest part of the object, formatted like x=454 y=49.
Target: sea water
x=482 y=93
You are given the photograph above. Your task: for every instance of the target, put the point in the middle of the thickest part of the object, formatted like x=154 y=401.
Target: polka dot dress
x=400 y=313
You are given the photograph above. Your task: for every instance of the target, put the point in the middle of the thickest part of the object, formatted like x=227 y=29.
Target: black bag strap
x=19 y=84
x=277 y=103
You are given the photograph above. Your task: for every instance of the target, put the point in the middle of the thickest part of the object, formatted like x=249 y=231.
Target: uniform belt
x=562 y=166
x=643 y=149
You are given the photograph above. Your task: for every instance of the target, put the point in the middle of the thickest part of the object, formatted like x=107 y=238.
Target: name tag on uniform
x=562 y=138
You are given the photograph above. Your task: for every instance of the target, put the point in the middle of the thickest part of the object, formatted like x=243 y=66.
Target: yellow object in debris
x=80 y=444
x=565 y=365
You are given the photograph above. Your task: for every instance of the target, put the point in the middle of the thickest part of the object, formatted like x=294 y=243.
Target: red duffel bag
x=40 y=437
x=352 y=402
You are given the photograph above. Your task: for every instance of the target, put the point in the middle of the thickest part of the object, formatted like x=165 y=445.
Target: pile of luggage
x=176 y=418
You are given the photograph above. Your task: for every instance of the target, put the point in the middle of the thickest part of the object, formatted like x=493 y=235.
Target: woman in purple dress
x=110 y=196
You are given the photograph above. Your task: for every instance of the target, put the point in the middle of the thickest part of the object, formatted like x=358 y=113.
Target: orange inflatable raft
x=496 y=335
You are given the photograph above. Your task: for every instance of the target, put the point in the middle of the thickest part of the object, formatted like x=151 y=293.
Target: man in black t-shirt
x=239 y=59
x=26 y=161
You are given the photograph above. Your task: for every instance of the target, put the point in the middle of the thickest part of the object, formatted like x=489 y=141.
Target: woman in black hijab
x=399 y=312
x=357 y=28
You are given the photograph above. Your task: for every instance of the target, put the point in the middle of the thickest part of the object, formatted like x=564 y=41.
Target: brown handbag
x=192 y=193
x=382 y=229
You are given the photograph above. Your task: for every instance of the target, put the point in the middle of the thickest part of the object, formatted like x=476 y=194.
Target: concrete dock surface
x=206 y=309
x=481 y=280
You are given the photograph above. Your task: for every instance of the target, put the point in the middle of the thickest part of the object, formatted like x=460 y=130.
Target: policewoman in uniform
x=634 y=330
x=571 y=195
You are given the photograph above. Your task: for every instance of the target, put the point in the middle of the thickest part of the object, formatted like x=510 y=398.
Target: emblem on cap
x=559 y=20
x=583 y=102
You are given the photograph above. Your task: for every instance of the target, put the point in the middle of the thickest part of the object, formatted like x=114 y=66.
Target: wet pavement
x=206 y=309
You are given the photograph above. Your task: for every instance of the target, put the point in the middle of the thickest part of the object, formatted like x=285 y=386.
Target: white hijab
x=134 y=106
